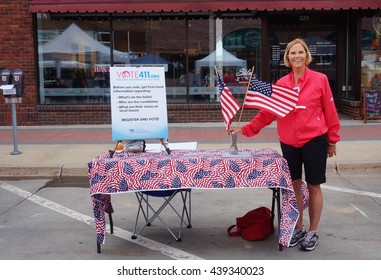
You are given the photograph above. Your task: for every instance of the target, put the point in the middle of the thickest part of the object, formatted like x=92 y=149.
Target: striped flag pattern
x=202 y=169
x=272 y=98
x=229 y=105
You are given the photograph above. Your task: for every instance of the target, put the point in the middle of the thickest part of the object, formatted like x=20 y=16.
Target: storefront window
x=234 y=50
x=321 y=43
x=75 y=53
x=371 y=53
x=71 y=58
x=156 y=41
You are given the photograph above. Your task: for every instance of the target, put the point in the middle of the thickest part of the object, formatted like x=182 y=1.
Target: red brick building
x=65 y=47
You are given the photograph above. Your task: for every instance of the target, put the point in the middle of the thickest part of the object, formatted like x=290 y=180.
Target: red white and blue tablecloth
x=202 y=169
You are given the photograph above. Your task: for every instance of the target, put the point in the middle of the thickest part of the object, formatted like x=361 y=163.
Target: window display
x=371 y=54
x=75 y=54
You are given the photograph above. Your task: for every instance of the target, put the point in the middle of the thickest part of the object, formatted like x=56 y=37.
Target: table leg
x=98 y=248
x=278 y=191
x=111 y=223
x=276 y=199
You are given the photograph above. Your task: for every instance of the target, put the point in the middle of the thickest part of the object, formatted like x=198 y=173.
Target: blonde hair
x=290 y=44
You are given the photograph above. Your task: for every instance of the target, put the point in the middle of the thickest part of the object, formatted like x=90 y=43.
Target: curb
x=61 y=171
x=353 y=168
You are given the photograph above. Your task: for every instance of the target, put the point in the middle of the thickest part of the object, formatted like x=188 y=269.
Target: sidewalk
x=48 y=151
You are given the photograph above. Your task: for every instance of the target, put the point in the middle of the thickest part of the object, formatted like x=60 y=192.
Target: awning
x=138 y=6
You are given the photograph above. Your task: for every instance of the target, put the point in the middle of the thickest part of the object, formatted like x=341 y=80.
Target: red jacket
x=303 y=124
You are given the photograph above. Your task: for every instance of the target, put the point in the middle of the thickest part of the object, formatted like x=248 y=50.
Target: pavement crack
x=61 y=172
x=21 y=201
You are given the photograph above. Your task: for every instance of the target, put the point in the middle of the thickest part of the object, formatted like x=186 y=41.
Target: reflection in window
x=73 y=63
x=74 y=54
x=371 y=53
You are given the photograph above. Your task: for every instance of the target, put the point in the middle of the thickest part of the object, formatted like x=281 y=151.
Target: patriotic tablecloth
x=202 y=169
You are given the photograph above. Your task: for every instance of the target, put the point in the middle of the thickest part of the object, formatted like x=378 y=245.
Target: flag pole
x=243 y=104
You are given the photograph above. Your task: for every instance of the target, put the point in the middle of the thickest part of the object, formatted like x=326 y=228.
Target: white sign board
x=138 y=103
x=8 y=89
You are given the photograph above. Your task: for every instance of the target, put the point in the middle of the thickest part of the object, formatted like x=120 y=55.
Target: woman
x=307 y=135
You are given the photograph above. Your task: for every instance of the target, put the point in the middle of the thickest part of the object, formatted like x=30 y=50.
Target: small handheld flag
x=272 y=98
x=229 y=105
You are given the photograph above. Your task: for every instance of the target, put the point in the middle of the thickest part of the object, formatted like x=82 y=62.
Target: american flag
x=229 y=105
x=274 y=99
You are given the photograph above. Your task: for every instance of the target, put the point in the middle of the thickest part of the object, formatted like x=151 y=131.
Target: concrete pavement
x=48 y=151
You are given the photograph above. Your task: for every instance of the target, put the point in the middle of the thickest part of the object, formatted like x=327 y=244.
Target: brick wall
x=351 y=108
x=72 y=115
x=17 y=51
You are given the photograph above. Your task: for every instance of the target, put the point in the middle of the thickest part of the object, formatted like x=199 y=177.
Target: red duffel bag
x=254 y=225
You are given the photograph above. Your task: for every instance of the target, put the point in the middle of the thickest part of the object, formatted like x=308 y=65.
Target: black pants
x=313 y=155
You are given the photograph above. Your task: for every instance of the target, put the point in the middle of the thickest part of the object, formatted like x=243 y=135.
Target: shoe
x=310 y=241
x=297 y=236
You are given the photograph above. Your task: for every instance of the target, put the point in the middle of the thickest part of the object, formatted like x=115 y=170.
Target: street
x=44 y=219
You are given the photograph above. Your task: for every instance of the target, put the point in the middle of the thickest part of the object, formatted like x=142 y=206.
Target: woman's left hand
x=331 y=150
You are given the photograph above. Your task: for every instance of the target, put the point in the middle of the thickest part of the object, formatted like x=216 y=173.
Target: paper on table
x=238 y=155
x=156 y=148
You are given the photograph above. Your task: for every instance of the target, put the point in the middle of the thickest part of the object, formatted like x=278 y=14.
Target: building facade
x=65 y=49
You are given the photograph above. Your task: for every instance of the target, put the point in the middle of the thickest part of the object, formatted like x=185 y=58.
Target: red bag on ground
x=254 y=225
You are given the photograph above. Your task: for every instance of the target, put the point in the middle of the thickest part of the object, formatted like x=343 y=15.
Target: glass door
x=322 y=43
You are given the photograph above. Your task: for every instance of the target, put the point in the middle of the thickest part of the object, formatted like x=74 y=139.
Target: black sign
x=371 y=104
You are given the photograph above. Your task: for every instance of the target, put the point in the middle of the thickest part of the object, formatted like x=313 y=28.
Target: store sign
x=246 y=38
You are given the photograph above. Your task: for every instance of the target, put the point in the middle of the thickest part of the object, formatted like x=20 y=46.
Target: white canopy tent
x=73 y=40
x=223 y=58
